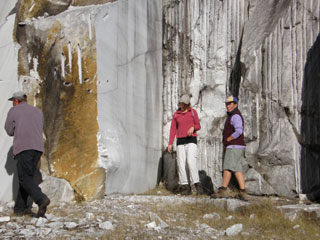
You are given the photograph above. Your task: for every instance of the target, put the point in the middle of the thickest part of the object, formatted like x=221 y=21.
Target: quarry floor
x=160 y=216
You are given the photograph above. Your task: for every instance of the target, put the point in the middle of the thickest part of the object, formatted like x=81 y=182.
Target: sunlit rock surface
x=256 y=50
x=7 y=7
x=58 y=67
x=97 y=123
x=129 y=93
x=8 y=84
x=57 y=189
x=129 y=99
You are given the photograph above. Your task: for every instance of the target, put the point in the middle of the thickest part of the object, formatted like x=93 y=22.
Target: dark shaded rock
x=310 y=121
x=169 y=174
x=170 y=177
x=206 y=182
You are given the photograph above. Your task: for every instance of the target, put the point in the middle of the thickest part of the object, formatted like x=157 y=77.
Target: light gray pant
x=187 y=156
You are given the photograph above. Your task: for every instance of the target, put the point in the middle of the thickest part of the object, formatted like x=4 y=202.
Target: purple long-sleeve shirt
x=25 y=122
x=236 y=122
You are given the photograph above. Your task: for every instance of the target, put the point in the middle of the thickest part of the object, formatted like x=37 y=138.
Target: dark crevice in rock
x=310 y=120
x=295 y=130
x=238 y=70
x=14 y=10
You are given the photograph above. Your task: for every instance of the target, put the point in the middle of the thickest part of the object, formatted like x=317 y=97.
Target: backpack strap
x=175 y=117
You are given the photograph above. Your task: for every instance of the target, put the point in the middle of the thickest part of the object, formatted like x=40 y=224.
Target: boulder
x=58 y=190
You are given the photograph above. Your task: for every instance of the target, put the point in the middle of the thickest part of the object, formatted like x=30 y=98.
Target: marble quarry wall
x=264 y=52
x=129 y=93
x=8 y=84
x=94 y=68
x=310 y=120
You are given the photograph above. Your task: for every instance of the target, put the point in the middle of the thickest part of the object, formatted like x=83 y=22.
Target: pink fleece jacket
x=182 y=122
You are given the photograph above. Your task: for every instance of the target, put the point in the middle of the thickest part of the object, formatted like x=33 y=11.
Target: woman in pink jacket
x=184 y=125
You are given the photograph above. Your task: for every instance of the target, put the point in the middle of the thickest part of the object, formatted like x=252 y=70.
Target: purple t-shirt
x=236 y=122
x=25 y=122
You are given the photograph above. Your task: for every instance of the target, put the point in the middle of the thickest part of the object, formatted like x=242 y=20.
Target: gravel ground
x=125 y=217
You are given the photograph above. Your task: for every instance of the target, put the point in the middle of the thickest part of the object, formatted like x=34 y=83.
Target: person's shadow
x=11 y=169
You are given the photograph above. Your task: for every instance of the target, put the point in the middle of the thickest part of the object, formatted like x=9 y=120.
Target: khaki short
x=233 y=159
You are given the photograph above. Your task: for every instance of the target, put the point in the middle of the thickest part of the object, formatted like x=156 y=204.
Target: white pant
x=187 y=155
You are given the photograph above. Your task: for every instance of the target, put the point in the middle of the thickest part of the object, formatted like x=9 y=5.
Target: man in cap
x=25 y=122
x=234 y=147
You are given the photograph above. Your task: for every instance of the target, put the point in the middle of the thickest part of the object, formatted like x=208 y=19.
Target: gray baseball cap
x=18 y=95
x=185 y=98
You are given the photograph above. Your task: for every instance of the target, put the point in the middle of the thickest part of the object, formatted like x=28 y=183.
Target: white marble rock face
x=8 y=84
x=129 y=82
x=201 y=43
x=129 y=93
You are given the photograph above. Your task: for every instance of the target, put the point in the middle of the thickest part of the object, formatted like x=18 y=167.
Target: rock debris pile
x=128 y=217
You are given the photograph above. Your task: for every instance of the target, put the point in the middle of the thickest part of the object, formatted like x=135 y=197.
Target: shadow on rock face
x=11 y=169
x=310 y=120
x=206 y=182
x=168 y=174
x=167 y=171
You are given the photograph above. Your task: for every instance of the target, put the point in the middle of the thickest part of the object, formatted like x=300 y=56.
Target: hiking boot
x=222 y=193
x=43 y=208
x=243 y=195
x=199 y=189
x=185 y=189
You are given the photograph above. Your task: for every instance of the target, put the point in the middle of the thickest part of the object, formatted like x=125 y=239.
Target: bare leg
x=226 y=178
x=240 y=179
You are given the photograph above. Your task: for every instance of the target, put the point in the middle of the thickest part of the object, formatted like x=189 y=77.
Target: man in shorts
x=234 y=147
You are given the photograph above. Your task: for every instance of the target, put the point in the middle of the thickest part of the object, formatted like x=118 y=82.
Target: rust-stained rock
x=90 y=2
x=28 y=9
x=59 y=57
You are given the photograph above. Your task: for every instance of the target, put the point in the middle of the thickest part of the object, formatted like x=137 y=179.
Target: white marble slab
x=129 y=54
x=8 y=85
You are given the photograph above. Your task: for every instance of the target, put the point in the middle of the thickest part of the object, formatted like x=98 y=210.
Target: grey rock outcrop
x=234 y=230
x=97 y=78
x=257 y=50
x=57 y=189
